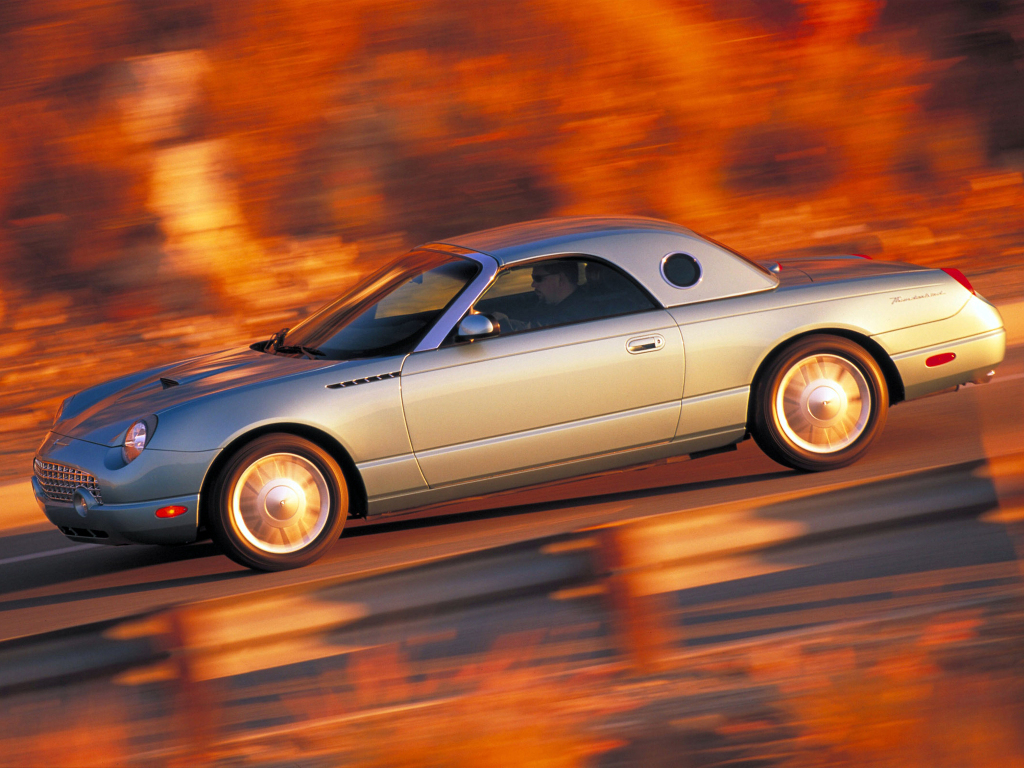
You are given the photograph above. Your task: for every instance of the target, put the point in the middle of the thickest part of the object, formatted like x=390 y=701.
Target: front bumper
x=129 y=495
x=122 y=523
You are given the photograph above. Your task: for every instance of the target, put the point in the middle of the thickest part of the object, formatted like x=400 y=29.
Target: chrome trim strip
x=942 y=345
x=385 y=462
x=462 y=304
x=550 y=429
x=705 y=396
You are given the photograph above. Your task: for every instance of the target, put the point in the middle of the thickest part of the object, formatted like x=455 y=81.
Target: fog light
x=171 y=511
x=83 y=501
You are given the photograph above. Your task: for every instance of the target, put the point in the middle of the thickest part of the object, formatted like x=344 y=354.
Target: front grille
x=59 y=480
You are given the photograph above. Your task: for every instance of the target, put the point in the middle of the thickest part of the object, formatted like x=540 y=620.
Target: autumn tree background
x=195 y=172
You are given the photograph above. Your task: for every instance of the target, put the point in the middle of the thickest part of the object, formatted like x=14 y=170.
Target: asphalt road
x=48 y=583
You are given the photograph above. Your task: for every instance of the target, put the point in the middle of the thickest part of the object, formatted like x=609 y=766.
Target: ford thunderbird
x=503 y=358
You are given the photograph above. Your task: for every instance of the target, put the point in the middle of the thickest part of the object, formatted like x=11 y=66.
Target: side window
x=554 y=292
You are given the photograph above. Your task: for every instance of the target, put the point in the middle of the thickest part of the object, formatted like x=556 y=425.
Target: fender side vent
x=367 y=380
x=168 y=383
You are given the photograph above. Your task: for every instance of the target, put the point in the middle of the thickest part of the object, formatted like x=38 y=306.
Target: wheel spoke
x=823 y=403
x=281 y=503
x=309 y=487
x=846 y=380
x=819 y=370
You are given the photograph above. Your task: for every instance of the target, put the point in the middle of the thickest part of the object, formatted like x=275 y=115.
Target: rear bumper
x=123 y=523
x=975 y=357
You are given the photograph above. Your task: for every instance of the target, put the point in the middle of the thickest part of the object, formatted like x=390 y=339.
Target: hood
x=105 y=420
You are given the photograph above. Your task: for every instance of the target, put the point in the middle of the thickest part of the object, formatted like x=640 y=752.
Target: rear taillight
x=959 y=276
x=863 y=256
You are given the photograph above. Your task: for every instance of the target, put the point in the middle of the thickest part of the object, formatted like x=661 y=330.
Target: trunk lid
x=829 y=269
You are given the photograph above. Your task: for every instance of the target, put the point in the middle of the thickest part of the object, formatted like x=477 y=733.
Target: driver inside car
x=558 y=299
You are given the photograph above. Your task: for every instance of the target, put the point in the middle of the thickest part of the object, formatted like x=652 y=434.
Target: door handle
x=645 y=344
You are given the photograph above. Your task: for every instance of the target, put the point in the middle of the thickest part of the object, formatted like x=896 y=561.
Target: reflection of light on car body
x=447 y=374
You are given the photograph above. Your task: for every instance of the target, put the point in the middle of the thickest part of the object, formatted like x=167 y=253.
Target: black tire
x=280 y=502
x=819 y=404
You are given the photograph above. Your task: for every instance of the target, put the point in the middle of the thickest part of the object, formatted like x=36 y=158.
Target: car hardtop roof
x=518 y=241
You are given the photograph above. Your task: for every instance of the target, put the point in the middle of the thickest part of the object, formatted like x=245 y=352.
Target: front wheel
x=820 y=404
x=279 y=503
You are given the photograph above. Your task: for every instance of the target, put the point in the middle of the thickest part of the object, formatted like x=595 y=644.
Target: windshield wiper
x=273 y=346
x=310 y=352
x=270 y=345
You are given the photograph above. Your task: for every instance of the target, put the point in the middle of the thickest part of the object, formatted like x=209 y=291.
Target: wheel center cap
x=281 y=503
x=824 y=403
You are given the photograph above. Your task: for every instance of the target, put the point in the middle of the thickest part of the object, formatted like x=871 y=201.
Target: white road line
x=47 y=553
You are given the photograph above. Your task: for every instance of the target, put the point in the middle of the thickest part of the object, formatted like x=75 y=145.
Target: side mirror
x=475 y=326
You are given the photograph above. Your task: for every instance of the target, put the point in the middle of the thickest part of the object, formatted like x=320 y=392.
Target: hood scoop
x=168 y=383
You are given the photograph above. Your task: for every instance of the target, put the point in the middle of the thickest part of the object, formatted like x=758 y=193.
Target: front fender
x=366 y=419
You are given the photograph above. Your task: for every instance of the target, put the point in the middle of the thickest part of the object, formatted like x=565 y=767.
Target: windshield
x=388 y=313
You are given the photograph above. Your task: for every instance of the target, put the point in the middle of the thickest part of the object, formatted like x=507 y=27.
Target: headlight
x=60 y=409
x=137 y=438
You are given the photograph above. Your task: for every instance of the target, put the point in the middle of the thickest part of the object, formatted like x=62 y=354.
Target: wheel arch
x=893 y=380
x=356 y=488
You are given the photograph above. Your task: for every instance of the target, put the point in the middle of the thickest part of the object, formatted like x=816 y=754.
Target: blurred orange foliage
x=203 y=172
x=146 y=145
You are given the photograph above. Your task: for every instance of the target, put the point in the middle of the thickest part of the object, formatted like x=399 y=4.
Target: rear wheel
x=820 y=404
x=279 y=503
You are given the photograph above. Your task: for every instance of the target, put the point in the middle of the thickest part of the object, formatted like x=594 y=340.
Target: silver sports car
x=504 y=358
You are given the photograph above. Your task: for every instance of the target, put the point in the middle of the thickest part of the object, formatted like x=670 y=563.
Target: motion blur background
x=184 y=175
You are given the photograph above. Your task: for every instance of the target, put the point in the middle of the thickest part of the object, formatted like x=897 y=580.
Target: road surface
x=48 y=583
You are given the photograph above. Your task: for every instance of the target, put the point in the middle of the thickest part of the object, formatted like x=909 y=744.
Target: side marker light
x=941 y=359
x=174 y=511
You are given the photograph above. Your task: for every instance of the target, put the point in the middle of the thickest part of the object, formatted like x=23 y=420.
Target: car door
x=547 y=393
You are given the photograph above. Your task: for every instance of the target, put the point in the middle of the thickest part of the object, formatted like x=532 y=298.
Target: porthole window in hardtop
x=681 y=270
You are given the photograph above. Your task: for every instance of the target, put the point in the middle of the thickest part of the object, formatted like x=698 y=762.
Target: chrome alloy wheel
x=280 y=503
x=823 y=403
